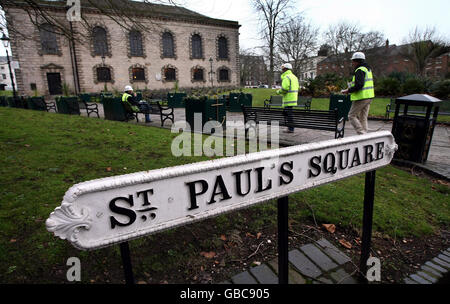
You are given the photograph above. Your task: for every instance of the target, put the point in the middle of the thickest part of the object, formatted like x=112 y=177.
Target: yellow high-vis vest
x=368 y=90
x=289 y=89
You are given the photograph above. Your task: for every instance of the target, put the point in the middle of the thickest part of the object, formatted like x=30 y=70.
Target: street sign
x=112 y=210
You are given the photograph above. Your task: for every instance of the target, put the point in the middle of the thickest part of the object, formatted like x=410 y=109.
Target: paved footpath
x=321 y=262
x=317 y=263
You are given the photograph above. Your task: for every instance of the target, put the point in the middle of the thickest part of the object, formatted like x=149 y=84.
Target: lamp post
x=5 y=41
x=211 y=73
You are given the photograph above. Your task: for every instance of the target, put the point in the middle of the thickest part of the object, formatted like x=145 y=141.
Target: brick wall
x=34 y=66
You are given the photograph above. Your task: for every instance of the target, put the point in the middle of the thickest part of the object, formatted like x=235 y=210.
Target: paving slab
x=431 y=271
x=264 y=275
x=318 y=257
x=419 y=279
x=293 y=276
x=427 y=277
x=441 y=263
x=303 y=264
x=444 y=258
x=436 y=267
x=342 y=277
x=244 y=278
x=333 y=252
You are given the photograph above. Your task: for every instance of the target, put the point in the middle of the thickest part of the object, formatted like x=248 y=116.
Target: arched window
x=138 y=74
x=168 y=45
x=224 y=74
x=198 y=74
x=136 y=48
x=223 y=48
x=170 y=74
x=48 y=39
x=100 y=41
x=197 y=50
x=103 y=74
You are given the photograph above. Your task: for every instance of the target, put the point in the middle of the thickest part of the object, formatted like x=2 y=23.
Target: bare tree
x=296 y=41
x=272 y=12
x=422 y=45
x=345 y=38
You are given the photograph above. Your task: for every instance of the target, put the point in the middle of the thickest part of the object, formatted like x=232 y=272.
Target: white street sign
x=107 y=211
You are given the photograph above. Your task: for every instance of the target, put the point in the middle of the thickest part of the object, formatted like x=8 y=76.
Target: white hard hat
x=359 y=55
x=128 y=88
x=287 y=66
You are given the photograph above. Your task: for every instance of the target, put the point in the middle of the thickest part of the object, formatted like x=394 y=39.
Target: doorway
x=54 y=83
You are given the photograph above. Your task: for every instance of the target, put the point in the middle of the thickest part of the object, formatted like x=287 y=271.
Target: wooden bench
x=444 y=108
x=306 y=119
x=277 y=101
x=155 y=107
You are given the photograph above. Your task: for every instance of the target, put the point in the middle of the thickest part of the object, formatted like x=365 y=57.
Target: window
x=197 y=52
x=33 y=86
x=138 y=74
x=4 y=76
x=198 y=74
x=170 y=74
x=136 y=48
x=103 y=74
x=224 y=75
x=48 y=39
x=100 y=41
x=168 y=45
x=223 y=48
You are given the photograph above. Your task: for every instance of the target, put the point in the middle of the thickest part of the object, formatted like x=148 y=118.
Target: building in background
x=182 y=48
x=253 y=71
x=5 y=78
x=308 y=68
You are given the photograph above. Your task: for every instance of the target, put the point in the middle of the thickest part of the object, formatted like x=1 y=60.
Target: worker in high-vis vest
x=133 y=105
x=362 y=92
x=289 y=91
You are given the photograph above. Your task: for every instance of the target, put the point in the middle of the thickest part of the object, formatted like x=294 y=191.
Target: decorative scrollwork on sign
x=65 y=222
x=391 y=149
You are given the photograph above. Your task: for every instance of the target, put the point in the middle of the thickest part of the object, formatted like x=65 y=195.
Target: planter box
x=210 y=110
x=176 y=100
x=68 y=105
x=236 y=100
x=113 y=109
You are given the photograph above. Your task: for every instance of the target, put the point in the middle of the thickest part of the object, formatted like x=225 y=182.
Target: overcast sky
x=394 y=18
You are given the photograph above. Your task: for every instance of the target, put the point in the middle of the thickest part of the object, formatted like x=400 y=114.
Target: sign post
x=108 y=211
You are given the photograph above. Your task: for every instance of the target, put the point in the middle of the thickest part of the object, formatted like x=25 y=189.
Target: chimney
x=387 y=43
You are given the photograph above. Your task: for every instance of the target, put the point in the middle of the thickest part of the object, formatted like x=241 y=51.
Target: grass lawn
x=43 y=154
x=377 y=107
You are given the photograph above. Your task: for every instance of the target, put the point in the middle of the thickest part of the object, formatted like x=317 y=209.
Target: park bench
x=90 y=107
x=39 y=104
x=299 y=118
x=277 y=101
x=444 y=108
x=155 y=107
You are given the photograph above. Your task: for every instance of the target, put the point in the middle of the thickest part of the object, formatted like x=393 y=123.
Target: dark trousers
x=289 y=118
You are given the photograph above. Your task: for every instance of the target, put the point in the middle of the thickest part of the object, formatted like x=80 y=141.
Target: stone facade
x=35 y=66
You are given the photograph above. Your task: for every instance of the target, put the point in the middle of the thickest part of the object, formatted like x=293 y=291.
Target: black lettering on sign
x=146 y=192
x=223 y=190
x=329 y=163
x=314 y=163
x=193 y=194
x=261 y=188
x=368 y=157
x=122 y=211
x=341 y=159
x=287 y=173
x=238 y=179
x=356 y=159
x=380 y=153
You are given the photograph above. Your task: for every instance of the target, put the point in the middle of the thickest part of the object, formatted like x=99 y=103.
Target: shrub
x=441 y=89
x=413 y=86
x=388 y=86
